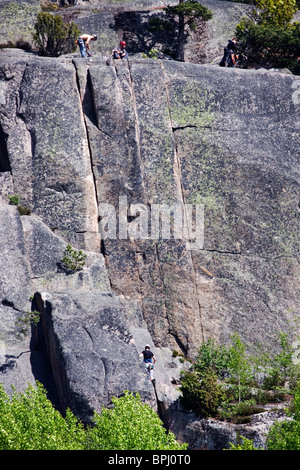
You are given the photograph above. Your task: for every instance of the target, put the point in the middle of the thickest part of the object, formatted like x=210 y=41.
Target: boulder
x=92 y=352
x=213 y=434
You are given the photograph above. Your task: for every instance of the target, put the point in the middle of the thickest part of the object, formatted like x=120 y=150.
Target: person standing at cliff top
x=83 y=43
x=149 y=360
x=229 y=54
x=120 y=52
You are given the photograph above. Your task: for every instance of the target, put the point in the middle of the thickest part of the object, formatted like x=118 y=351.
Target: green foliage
x=222 y=379
x=202 y=393
x=29 y=319
x=247 y=444
x=269 y=45
x=283 y=360
x=285 y=435
x=270 y=39
x=239 y=413
x=280 y=368
x=53 y=36
x=212 y=356
x=274 y=12
x=14 y=199
x=130 y=425
x=73 y=260
x=28 y=421
x=153 y=53
x=239 y=366
x=186 y=13
x=190 y=8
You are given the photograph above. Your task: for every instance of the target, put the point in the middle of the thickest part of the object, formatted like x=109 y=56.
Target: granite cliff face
x=80 y=138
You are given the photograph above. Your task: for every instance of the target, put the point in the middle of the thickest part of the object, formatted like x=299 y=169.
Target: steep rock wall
x=222 y=139
x=77 y=136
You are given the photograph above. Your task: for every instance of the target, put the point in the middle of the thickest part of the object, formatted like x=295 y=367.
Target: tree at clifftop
x=187 y=11
x=53 y=36
x=270 y=38
x=278 y=13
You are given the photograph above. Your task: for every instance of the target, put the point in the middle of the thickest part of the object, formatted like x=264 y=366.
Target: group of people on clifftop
x=84 y=40
x=230 y=58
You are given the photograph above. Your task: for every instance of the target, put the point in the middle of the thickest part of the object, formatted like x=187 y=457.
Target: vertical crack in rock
x=140 y=261
x=4 y=160
x=83 y=82
x=139 y=255
x=92 y=118
x=16 y=138
x=137 y=131
x=178 y=178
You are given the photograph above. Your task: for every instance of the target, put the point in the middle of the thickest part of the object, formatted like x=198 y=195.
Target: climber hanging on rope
x=149 y=360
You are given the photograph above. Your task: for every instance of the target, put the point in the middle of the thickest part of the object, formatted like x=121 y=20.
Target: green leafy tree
x=212 y=356
x=281 y=372
x=283 y=360
x=53 y=36
x=275 y=12
x=28 y=421
x=247 y=444
x=285 y=435
x=270 y=39
x=202 y=393
x=238 y=365
x=130 y=425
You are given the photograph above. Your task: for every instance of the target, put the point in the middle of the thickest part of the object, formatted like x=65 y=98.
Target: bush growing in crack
x=73 y=260
x=24 y=323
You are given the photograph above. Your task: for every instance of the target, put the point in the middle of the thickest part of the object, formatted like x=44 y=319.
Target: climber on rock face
x=149 y=360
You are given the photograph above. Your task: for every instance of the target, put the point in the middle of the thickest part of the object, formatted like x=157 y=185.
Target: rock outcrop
x=212 y=434
x=83 y=141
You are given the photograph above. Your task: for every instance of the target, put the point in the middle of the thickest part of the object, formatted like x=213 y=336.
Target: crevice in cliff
x=4 y=159
x=137 y=133
x=85 y=91
x=178 y=177
x=180 y=128
x=162 y=408
x=88 y=111
x=179 y=343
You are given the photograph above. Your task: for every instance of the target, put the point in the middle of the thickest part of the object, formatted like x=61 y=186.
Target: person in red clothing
x=120 y=52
